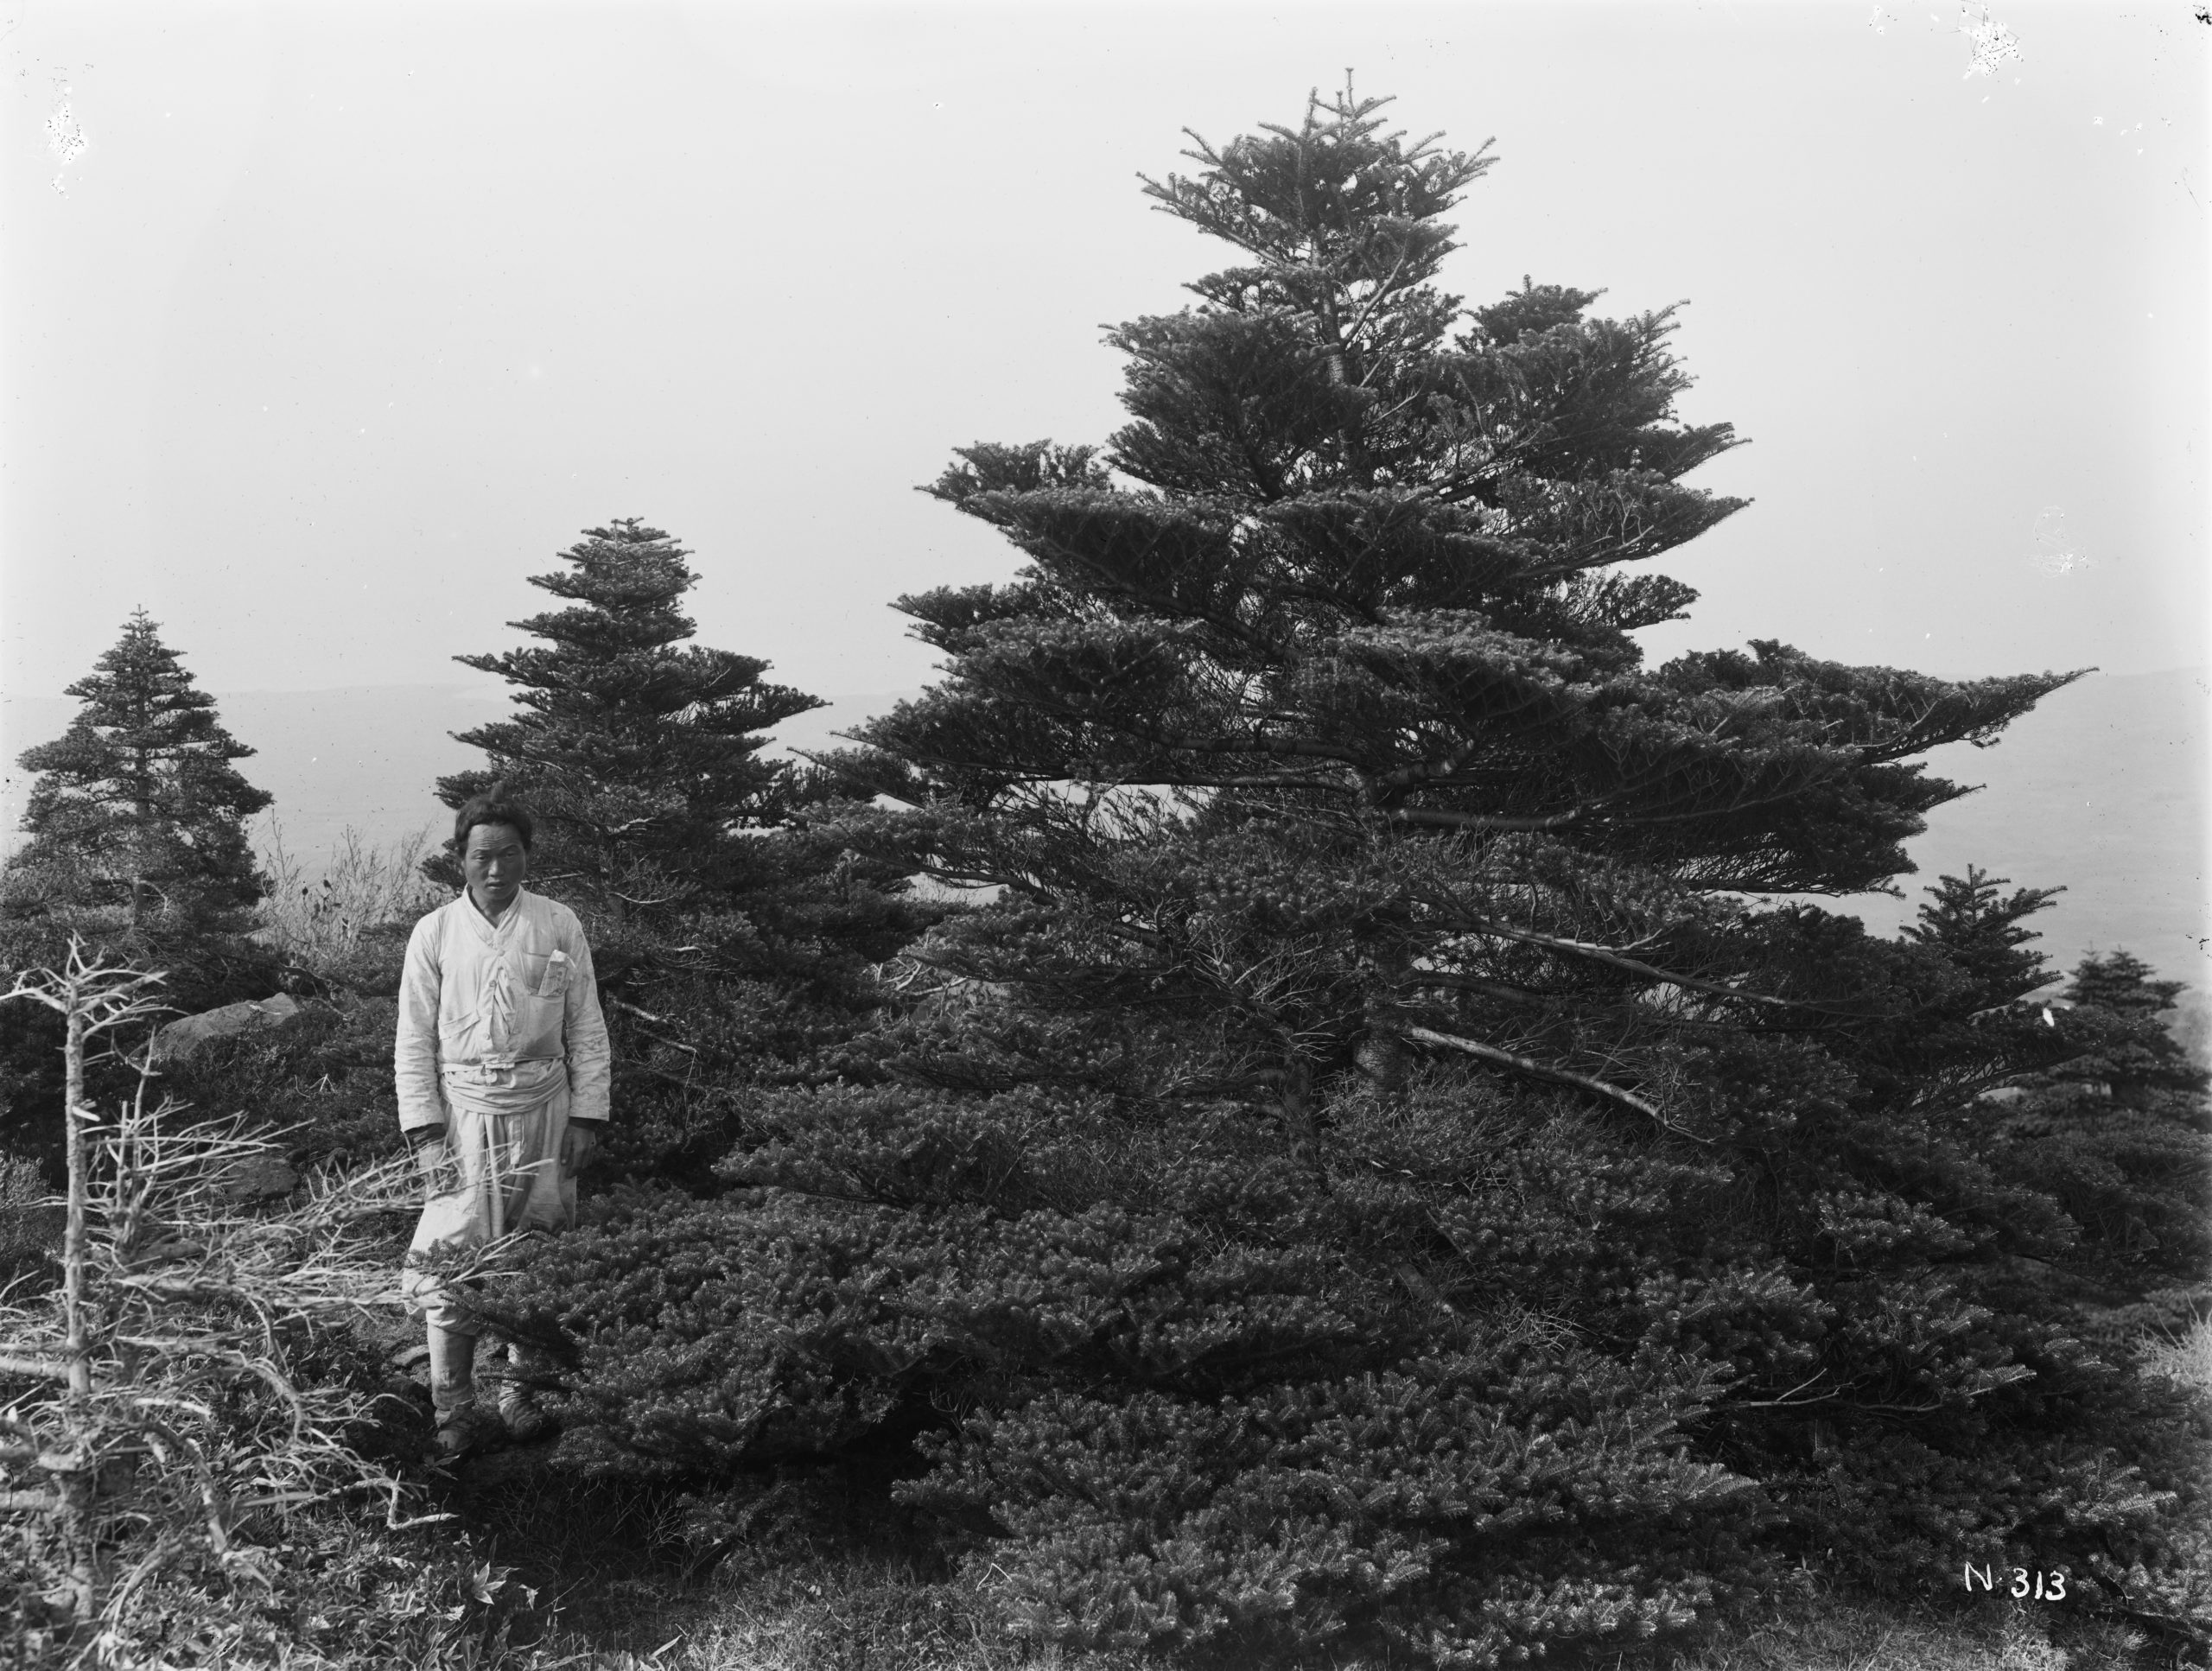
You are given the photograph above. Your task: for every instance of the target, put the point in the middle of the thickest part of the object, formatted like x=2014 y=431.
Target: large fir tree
x=1363 y=603
x=138 y=805
x=640 y=753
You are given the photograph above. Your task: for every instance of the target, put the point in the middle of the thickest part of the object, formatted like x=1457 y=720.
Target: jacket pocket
x=554 y=981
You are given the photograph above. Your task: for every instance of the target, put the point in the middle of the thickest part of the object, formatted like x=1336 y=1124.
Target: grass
x=869 y=1613
x=313 y=917
x=831 y=1615
x=1818 y=1629
x=2186 y=1356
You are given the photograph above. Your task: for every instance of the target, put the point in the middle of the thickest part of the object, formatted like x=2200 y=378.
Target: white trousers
x=503 y=1174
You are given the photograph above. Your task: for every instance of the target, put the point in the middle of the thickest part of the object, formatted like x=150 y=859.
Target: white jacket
x=477 y=996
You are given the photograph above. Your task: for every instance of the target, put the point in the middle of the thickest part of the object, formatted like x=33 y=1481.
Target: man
x=502 y=1068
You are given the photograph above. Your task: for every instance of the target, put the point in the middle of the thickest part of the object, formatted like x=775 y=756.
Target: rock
x=179 y=1038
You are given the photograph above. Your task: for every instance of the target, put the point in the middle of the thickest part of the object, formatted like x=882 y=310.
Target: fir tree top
x=1981 y=932
x=618 y=644
x=1319 y=708
x=142 y=701
x=1375 y=566
x=639 y=750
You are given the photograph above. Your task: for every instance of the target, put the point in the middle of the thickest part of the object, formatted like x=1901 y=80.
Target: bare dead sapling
x=154 y=1413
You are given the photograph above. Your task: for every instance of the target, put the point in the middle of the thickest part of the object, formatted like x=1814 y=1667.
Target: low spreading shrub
x=1501 y=1499
x=1490 y=1373
x=1214 y=1382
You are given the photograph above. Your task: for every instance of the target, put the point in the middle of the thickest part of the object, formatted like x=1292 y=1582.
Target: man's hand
x=578 y=1144
x=434 y=1162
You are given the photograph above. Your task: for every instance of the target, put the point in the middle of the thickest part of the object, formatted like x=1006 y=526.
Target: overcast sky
x=325 y=324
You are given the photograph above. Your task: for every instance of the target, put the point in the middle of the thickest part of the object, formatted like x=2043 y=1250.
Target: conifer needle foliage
x=723 y=953
x=136 y=806
x=1356 y=591
x=137 y=822
x=638 y=753
x=1378 y=1178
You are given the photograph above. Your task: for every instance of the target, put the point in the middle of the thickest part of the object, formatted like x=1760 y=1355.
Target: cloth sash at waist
x=503 y=1086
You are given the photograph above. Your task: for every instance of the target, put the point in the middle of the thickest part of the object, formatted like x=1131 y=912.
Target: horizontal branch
x=974 y=876
x=1613 y=959
x=1451 y=981
x=28 y=1502
x=658 y=1020
x=39 y=1368
x=1425 y=774
x=1788 y=1400
x=1644 y=820
x=1282 y=780
x=178 y=1288
x=1444 y=820
x=1536 y=1070
x=673 y=1044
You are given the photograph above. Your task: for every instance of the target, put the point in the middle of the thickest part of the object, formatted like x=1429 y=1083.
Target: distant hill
x=367 y=757
x=2106 y=788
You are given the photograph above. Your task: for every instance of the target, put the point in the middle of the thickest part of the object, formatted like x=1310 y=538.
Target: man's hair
x=493 y=806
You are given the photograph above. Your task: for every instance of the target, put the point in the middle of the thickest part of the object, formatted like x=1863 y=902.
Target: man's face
x=495 y=862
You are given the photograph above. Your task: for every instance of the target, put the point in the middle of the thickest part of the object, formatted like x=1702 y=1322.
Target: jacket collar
x=486 y=930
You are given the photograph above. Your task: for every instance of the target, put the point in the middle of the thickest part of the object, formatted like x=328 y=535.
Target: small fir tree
x=734 y=946
x=136 y=806
x=1962 y=1023
x=2116 y=1131
x=638 y=753
x=2088 y=1100
x=1981 y=932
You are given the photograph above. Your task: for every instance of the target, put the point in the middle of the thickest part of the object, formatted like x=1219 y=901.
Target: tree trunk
x=74 y=1487
x=72 y=1243
x=141 y=842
